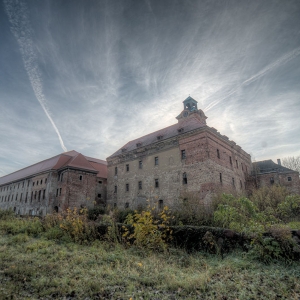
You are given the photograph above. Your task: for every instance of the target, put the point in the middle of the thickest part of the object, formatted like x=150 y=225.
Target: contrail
x=267 y=69
x=21 y=29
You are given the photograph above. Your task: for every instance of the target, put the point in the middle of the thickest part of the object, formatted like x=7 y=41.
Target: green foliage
x=6 y=214
x=290 y=207
x=148 y=232
x=93 y=213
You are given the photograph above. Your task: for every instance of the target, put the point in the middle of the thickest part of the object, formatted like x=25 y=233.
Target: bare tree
x=292 y=162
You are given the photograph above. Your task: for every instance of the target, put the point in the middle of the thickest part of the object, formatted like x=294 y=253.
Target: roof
x=165 y=133
x=71 y=159
x=268 y=166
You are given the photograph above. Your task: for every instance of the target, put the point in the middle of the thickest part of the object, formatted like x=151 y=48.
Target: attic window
x=289 y=178
x=180 y=130
x=159 y=137
x=138 y=144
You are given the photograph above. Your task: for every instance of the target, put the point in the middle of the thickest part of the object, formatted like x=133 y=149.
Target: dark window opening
x=272 y=180
x=56 y=209
x=57 y=193
x=115 y=205
x=230 y=159
x=116 y=170
x=23 y=184
x=80 y=177
x=39 y=197
x=184 y=178
x=183 y=156
x=159 y=137
x=28 y=182
x=221 y=177
x=140 y=185
x=99 y=195
x=44 y=193
x=180 y=130
x=116 y=189
x=127 y=168
x=60 y=192
x=233 y=183
x=127 y=187
x=156 y=183
x=42 y=181
x=37 y=183
x=126 y=205
x=46 y=180
x=140 y=164
x=35 y=195
x=161 y=204
x=218 y=153
x=156 y=161
x=289 y=178
x=33 y=184
x=242 y=166
x=21 y=197
x=100 y=182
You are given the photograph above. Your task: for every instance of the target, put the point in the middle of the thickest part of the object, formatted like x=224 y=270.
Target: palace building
x=184 y=159
x=67 y=180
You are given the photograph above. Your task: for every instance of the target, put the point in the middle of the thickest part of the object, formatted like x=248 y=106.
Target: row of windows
x=34 y=195
x=160 y=204
x=272 y=181
x=22 y=185
x=232 y=180
x=156 y=184
x=230 y=160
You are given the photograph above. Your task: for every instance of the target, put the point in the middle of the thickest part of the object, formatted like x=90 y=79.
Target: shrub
x=94 y=212
x=6 y=214
x=148 y=232
x=290 y=207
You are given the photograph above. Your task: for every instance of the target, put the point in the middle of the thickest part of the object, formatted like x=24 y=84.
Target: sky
x=92 y=75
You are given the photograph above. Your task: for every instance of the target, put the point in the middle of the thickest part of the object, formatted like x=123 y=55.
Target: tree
x=292 y=162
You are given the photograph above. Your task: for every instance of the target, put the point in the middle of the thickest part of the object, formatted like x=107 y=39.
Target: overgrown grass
x=36 y=268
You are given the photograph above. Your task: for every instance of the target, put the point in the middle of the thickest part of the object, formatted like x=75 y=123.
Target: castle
x=186 y=159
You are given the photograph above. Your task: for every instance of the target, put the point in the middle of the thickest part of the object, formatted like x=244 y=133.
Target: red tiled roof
x=67 y=159
x=165 y=133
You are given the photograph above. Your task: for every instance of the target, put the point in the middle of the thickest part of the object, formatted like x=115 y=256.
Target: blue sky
x=92 y=75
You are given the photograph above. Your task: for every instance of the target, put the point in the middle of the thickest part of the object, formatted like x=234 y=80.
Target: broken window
x=35 y=195
x=140 y=185
x=127 y=187
x=156 y=161
x=289 y=178
x=80 y=177
x=161 y=204
x=221 y=177
x=100 y=182
x=233 y=183
x=218 y=153
x=116 y=170
x=99 y=195
x=39 y=197
x=184 y=178
x=127 y=168
x=42 y=181
x=21 y=197
x=156 y=183
x=140 y=164
x=60 y=192
x=116 y=189
x=183 y=156
x=57 y=193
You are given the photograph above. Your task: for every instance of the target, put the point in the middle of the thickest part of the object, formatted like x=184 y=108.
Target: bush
x=6 y=214
x=148 y=232
x=290 y=208
x=94 y=212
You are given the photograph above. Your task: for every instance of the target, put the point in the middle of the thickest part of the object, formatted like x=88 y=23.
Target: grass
x=36 y=268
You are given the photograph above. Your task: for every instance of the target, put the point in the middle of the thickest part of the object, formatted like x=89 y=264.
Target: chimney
x=279 y=161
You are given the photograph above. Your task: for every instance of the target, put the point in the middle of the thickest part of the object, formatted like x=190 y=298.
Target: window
x=37 y=183
x=126 y=205
x=33 y=184
x=156 y=161
x=237 y=165
x=32 y=196
x=44 y=193
x=140 y=164
x=23 y=184
x=115 y=205
x=45 y=180
x=159 y=137
x=140 y=185
x=127 y=168
x=242 y=166
x=180 y=130
x=116 y=189
x=221 y=177
x=138 y=144
x=28 y=182
x=61 y=177
x=39 y=197
x=35 y=195
x=116 y=170
x=233 y=183
x=42 y=181
x=289 y=178
x=161 y=204
x=156 y=183
x=184 y=178
x=21 y=197
x=80 y=177
x=99 y=195
x=127 y=187
x=272 y=180
x=56 y=192
x=183 y=156
x=230 y=160
x=16 y=197
x=100 y=182
x=60 y=192
x=218 y=153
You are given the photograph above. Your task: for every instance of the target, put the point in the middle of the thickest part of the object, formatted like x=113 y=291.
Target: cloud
x=20 y=27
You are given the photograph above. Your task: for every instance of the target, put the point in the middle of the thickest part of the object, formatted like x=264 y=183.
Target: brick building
x=69 y=179
x=267 y=173
x=187 y=158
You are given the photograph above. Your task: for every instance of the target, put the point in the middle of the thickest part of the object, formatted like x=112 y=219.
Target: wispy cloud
x=20 y=27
